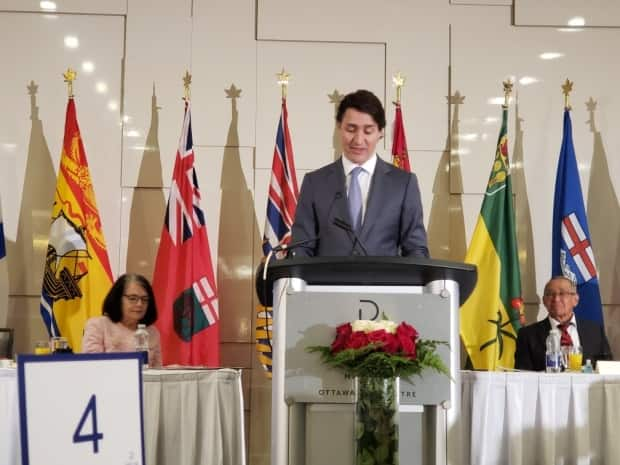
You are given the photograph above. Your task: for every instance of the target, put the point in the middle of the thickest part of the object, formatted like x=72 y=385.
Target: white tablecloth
x=190 y=417
x=539 y=418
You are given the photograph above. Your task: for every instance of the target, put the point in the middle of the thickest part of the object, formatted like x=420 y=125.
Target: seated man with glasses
x=560 y=298
x=129 y=302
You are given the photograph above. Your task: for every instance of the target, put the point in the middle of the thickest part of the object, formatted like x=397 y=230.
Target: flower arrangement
x=380 y=349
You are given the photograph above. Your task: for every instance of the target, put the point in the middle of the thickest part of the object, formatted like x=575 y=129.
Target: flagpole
x=187 y=82
x=283 y=78
x=70 y=75
x=399 y=81
x=567 y=88
x=507 y=91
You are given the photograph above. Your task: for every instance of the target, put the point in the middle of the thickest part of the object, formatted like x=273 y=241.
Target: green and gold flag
x=490 y=318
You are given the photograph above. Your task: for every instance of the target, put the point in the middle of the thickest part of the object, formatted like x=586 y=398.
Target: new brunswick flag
x=77 y=274
x=183 y=279
x=490 y=318
x=400 y=155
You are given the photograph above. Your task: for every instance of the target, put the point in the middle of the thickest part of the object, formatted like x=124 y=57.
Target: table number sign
x=82 y=408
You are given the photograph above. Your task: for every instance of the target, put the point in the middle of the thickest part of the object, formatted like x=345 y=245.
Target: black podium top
x=365 y=271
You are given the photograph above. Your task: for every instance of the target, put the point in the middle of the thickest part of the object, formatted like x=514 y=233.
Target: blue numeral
x=95 y=436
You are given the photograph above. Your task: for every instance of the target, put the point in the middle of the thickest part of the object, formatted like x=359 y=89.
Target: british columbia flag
x=572 y=254
x=281 y=206
x=283 y=191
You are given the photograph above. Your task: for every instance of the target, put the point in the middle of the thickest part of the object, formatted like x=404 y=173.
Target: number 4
x=95 y=436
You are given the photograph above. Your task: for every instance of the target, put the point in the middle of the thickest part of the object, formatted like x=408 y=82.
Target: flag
x=4 y=276
x=490 y=318
x=77 y=273
x=571 y=248
x=2 y=244
x=183 y=278
x=281 y=206
x=400 y=156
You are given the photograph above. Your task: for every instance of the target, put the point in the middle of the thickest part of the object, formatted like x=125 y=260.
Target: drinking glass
x=42 y=347
x=575 y=358
x=60 y=345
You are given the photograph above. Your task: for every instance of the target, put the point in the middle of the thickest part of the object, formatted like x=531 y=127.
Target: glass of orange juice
x=575 y=359
x=42 y=347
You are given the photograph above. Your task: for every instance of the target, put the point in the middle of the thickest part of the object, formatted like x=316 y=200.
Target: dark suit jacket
x=393 y=223
x=531 y=348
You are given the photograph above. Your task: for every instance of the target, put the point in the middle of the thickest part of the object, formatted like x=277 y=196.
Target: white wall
x=141 y=49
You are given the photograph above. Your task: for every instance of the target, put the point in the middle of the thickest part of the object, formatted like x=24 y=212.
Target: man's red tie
x=565 y=339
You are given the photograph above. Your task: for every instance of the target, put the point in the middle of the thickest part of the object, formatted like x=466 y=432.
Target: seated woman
x=129 y=302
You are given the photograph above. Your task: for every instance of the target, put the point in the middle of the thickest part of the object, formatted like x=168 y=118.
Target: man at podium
x=359 y=204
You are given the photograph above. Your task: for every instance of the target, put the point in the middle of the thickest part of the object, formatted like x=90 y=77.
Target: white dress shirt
x=572 y=329
x=364 y=177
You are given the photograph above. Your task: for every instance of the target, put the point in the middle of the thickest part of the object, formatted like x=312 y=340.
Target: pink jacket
x=103 y=335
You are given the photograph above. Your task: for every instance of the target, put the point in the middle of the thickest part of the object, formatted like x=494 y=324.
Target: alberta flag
x=281 y=207
x=183 y=279
x=571 y=253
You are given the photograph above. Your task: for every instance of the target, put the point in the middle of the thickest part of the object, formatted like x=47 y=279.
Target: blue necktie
x=355 y=199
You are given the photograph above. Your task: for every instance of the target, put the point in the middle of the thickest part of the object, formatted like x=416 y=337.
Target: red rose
x=407 y=335
x=357 y=340
x=378 y=336
x=391 y=344
x=407 y=330
x=343 y=333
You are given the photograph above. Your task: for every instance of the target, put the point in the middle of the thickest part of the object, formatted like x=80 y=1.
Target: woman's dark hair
x=113 y=307
x=365 y=102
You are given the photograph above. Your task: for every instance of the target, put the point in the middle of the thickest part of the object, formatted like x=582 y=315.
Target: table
x=538 y=418
x=190 y=417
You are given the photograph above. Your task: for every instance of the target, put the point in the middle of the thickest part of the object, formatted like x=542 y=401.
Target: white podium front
x=312 y=406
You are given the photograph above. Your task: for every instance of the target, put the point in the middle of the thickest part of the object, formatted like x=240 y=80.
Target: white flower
x=362 y=325
x=368 y=326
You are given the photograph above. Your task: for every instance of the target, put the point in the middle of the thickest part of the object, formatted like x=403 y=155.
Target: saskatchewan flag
x=490 y=318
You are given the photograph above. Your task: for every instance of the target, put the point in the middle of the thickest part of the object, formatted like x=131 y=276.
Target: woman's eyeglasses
x=134 y=299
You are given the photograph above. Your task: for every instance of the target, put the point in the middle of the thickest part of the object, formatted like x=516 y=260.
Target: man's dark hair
x=113 y=305
x=363 y=101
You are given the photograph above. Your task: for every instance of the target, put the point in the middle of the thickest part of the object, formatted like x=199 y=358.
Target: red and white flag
x=183 y=280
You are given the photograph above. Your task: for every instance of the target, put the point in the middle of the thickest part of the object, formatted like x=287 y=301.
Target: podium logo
x=369 y=310
x=336 y=392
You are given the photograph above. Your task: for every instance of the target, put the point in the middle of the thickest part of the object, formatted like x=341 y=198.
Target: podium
x=313 y=405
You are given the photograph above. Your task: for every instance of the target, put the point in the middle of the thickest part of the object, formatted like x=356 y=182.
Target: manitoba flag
x=183 y=280
x=571 y=249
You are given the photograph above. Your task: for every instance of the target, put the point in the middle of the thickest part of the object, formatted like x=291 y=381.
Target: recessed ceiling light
x=550 y=55
x=47 y=6
x=88 y=67
x=71 y=42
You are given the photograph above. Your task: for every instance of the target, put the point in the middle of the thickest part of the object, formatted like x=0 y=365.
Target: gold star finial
x=232 y=92
x=70 y=75
x=456 y=99
x=335 y=97
x=399 y=81
x=187 y=82
x=283 y=78
x=567 y=88
x=507 y=91
x=32 y=88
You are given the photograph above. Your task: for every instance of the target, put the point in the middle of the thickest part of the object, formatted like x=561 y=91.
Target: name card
x=82 y=408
